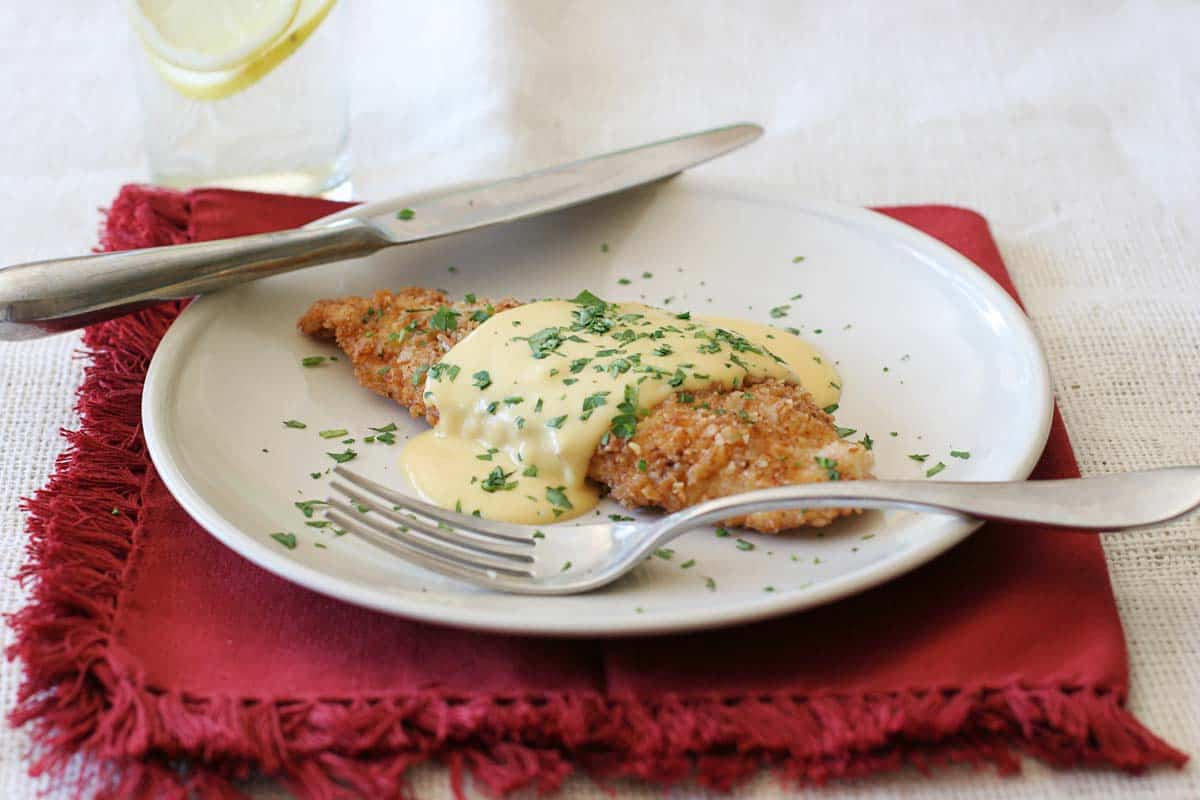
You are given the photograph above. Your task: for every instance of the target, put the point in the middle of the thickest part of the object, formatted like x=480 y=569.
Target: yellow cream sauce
x=526 y=398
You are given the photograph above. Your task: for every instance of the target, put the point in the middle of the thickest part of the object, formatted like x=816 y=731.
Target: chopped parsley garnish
x=620 y=518
x=469 y=297
x=288 y=540
x=405 y=214
x=556 y=422
x=960 y=454
x=867 y=442
x=918 y=456
x=481 y=379
x=444 y=319
x=624 y=425
x=450 y=371
x=419 y=375
x=498 y=481
x=778 y=312
x=294 y=423
x=531 y=471
x=624 y=281
x=592 y=402
x=342 y=458
x=313 y=361
x=665 y=553
x=566 y=566
x=844 y=432
x=710 y=584
x=935 y=469
x=544 y=342
x=642 y=466
x=647 y=275
x=308 y=506
x=742 y=544
x=558 y=497
x=830 y=467
x=797 y=259
x=333 y=433
x=722 y=531
x=483 y=314
x=539 y=535
x=829 y=409
x=537 y=407
x=691 y=562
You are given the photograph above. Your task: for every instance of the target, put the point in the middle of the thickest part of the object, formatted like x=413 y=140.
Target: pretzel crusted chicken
x=691 y=447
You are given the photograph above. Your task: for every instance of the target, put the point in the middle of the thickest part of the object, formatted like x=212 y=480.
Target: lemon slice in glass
x=211 y=50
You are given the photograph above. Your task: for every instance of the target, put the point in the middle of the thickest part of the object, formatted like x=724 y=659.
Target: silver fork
x=522 y=560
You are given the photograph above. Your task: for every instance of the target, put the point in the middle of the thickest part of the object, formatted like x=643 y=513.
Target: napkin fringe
x=137 y=738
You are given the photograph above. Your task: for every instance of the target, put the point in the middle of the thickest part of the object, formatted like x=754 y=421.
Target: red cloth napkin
x=174 y=665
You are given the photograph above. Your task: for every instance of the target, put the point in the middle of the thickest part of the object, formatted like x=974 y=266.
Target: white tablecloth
x=1073 y=126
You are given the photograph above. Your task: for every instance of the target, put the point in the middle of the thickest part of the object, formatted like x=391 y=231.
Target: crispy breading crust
x=726 y=441
x=389 y=341
x=766 y=434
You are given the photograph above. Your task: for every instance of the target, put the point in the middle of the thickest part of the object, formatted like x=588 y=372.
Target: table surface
x=1071 y=125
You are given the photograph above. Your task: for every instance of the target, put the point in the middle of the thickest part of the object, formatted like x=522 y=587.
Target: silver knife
x=45 y=297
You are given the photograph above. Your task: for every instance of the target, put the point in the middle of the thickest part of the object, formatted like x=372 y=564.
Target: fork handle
x=44 y=297
x=1107 y=502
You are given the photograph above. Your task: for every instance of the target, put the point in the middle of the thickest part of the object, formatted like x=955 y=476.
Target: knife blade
x=45 y=297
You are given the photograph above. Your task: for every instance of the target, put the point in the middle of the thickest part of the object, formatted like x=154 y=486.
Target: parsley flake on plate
x=288 y=540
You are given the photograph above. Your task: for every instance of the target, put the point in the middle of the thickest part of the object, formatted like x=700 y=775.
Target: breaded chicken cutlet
x=761 y=435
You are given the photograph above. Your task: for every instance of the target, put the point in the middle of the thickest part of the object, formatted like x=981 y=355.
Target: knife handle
x=45 y=297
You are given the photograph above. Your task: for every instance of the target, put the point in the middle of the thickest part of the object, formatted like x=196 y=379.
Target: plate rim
x=180 y=335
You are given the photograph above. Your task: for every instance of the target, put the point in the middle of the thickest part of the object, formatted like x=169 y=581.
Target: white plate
x=928 y=347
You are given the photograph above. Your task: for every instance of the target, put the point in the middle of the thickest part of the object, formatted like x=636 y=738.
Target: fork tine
x=415 y=554
x=476 y=525
x=465 y=537
x=434 y=544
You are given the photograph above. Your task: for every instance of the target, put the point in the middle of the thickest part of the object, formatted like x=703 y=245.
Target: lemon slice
x=213 y=35
x=248 y=57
